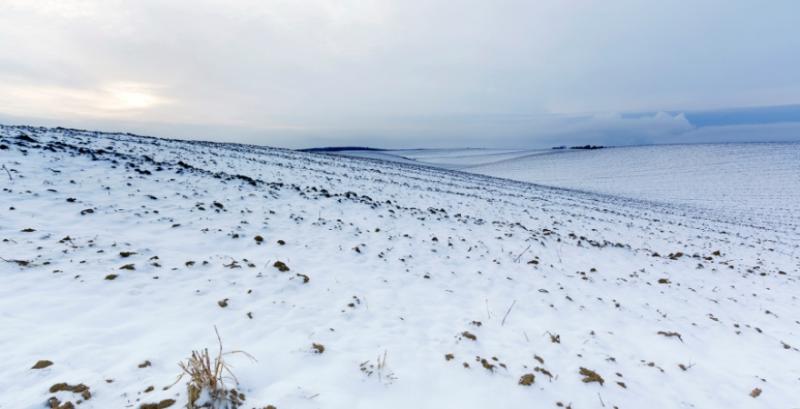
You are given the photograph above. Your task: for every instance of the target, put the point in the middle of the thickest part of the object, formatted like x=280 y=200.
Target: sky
x=399 y=74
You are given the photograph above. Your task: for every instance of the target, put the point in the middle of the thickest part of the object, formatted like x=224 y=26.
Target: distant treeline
x=581 y=147
x=340 y=148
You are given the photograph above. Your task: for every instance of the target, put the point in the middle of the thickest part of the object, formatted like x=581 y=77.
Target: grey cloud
x=302 y=73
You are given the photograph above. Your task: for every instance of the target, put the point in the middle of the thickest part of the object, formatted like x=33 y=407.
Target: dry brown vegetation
x=670 y=334
x=42 y=363
x=591 y=376
x=160 y=405
x=527 y=379
x=209 y=375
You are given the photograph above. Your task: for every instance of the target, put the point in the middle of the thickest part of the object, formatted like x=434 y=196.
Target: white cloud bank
x=434 y=72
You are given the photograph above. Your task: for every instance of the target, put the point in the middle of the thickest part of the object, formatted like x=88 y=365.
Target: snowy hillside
x=445 y=158
x=757 y=182
x=357 y=283
x=754 y=183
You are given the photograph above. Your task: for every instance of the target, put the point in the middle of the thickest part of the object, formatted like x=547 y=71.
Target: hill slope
x=753 y=183
x=757 y=182
x=123 y=252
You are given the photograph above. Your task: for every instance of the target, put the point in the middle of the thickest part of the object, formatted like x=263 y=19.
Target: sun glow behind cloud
x=129 y=97
x=114 y=100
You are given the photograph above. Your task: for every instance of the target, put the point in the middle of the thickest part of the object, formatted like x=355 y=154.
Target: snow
x=403 y=262
x=444 y=158
x=758 y=182
x=753 y=183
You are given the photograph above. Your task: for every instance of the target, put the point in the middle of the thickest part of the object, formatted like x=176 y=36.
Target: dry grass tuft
x=21 y=263
x=384 y=375
x=591 y=376
x=80 y=388
x=469 y=335
x=207 y=379
x=527 y=379
x=670 y=334
x=544 y=372
x=160 y=405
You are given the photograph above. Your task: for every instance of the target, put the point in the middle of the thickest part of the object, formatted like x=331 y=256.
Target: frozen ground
x=445 y=158
x=757 y=183
x=121 y=254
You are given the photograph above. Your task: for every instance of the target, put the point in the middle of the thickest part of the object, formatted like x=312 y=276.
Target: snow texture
x=753 y=183
x=428 y=288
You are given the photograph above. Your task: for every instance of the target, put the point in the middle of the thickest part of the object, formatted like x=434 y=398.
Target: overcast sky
x=402 y=73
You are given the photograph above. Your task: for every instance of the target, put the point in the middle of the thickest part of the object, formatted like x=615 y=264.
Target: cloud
x=114 y=100
x=772 y=132
x=299 y=73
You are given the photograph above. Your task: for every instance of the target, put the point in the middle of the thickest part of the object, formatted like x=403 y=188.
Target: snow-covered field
x=445 y=158
x=756 y=183
x=759 y=183
x=427 y=288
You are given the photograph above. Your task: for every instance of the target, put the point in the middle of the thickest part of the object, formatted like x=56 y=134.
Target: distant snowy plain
x=122 y=253
x=756 y=183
